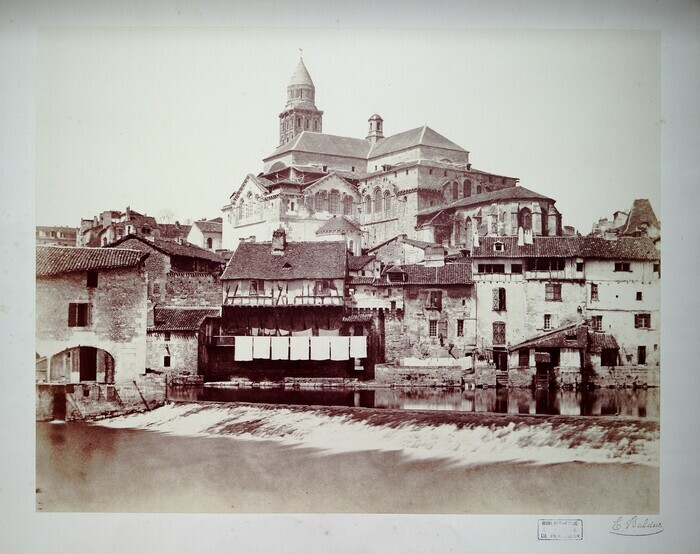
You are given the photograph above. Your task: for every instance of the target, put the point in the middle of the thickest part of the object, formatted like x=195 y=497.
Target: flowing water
x=227 y=457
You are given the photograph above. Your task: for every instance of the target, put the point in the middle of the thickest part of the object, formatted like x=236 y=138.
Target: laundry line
x=336 y=348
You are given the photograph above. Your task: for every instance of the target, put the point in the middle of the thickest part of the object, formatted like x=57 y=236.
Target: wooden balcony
x=300 y=300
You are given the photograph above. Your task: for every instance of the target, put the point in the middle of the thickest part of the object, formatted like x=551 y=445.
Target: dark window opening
x=92 y=279
x=579 y=266
x=499 y=299
x=642 y=355
x=524 y=357
x=516 y=268
x=78 y=315
x=166 y=361
x=435 y=299
x=166 y=337
x=492 y=268
x=639 y=295
x=622 y=266
x=460 y=327
x=608 y=357
x=545 y=264
x=642 y=321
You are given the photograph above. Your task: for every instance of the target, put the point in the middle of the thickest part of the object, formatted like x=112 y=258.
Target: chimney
x=279 y=242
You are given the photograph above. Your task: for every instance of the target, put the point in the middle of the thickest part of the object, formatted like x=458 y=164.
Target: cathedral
x=366 y=191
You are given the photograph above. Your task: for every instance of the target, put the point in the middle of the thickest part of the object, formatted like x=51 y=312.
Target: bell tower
x=300 y=114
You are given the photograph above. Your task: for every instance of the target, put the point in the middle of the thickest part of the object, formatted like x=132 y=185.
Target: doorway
x=88 y=363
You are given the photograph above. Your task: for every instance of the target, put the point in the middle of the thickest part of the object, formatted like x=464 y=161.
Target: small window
x=432 y=328
x=79 y=315
x=156 y=289
x=657 y=268
x=92 y=279
x=594 y=292
x=210 y=243
x=622 y=266
x=516 y=268
x=597 y=322
x=642 y=321
x=492 y=268
x=166 y=336
x=547 y=321
x=639 y=295
x=353 y=169
x=430 y=172
x=435 y=300
x=524 y=357
x=499 y=247
x=552 y=292
x=579 y=266
x=166 y=361
x=393 y=306
x=460 y=327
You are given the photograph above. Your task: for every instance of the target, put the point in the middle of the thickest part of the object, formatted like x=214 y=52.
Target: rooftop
x=641 y=214
x=53 y=260
x=418 y=274
x=172 y=248
x=338 y=224
x=181 y=318
x=515 y=193
x=209 y=226
x=301 y=260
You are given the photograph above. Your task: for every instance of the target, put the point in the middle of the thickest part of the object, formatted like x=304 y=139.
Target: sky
x=169 y=121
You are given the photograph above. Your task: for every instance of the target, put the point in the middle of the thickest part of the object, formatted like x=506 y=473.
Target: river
x=232 y=457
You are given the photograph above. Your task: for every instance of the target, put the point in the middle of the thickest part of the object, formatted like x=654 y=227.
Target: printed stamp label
x=560 y=529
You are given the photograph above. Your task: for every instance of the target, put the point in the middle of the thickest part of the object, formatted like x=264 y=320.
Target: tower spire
x=300 y=114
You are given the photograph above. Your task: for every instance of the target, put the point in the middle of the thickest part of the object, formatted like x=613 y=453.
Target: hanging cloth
x=244 y=349
x=299 y=348
x=358 y=346
x=320 y=348
x=261 y=348
x=280 y=348
x=340 y=348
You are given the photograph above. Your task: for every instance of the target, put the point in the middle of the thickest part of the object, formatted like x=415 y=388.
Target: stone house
x=61 y=236
x=91 y=313
x=206 y=234
x=179 y=274
x=173 y=339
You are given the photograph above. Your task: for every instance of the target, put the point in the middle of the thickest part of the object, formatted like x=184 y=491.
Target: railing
x=221 y=340
x=300 y=300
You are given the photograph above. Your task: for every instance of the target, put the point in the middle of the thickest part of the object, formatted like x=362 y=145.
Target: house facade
x=91 y=314
x=61 y=236
x=206 y=234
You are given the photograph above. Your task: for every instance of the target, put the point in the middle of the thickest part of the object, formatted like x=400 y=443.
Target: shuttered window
x=499 y=332
x=442 y=328
x=79 y=315
x=499 y=299
x=552 y=292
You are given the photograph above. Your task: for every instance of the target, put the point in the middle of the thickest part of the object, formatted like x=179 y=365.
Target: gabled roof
x=209 y=226
x=508 y=193
x=419 y=274
x=597 y=341
x=420 y=136
x=181 y=318
x=641 y=214
x=557 y=338
x=338 y=224
x=356 y=263
x=301 y=260
x=321 y=143
x=411 y=242
x=172 y=248
x=622 y=248
x=173 y=230
x=52 y=260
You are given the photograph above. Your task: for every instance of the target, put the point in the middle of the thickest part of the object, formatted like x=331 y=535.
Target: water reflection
x=625 y=402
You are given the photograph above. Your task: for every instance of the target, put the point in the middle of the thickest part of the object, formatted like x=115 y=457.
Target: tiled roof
x=412 y=242
x=181 y=319
x=623 y=248
x=597 y=341
x=52 y=260
x=418 y=274
x=556 y=338
x=357 y=318
x=356 y=263
x=173 y=230
x=301 y=260
x=507 y=193
x=172 y=248
x=641 y=214
x=321 y=143
x=209 y=226
x=361 y=280
x=420 y=136
x=338 y=224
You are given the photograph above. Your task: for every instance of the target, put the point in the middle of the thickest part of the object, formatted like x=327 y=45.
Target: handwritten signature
x=636 y=527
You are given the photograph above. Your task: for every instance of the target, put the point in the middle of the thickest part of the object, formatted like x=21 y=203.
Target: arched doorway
x=82 y=363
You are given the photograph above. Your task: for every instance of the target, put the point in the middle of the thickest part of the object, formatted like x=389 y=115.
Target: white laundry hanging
x=243 y=349
x=358 y=346
x=261 y=348
x=340 y=348
x=320 y=348
x=298 y=348
x=280 y=348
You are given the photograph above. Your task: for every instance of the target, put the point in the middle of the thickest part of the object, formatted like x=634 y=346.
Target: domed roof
x=301 y=76
x=375 y=117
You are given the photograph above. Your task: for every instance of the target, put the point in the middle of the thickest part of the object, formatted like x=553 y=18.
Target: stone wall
x=192 y=289
x=118 y=317
x=157 y=268
x=182 y=349
x=624 y=376
x=418 y=376
x=94 y=400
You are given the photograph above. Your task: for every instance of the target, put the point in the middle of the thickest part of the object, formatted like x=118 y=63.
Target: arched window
x=446 y=192
x=368 y=204
x=351 y=246
x=347 y=205
x=335 y=202
x=387 y=202
x=479 y=189
x=525 y=219
x=241 y=210
x=249 y=206
x=467 y=188
x=469 y=233
x=210 y=243
x=291 y=206
x=315 y=124
x=258 y=207
x=377 y=200
x=455 y=190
